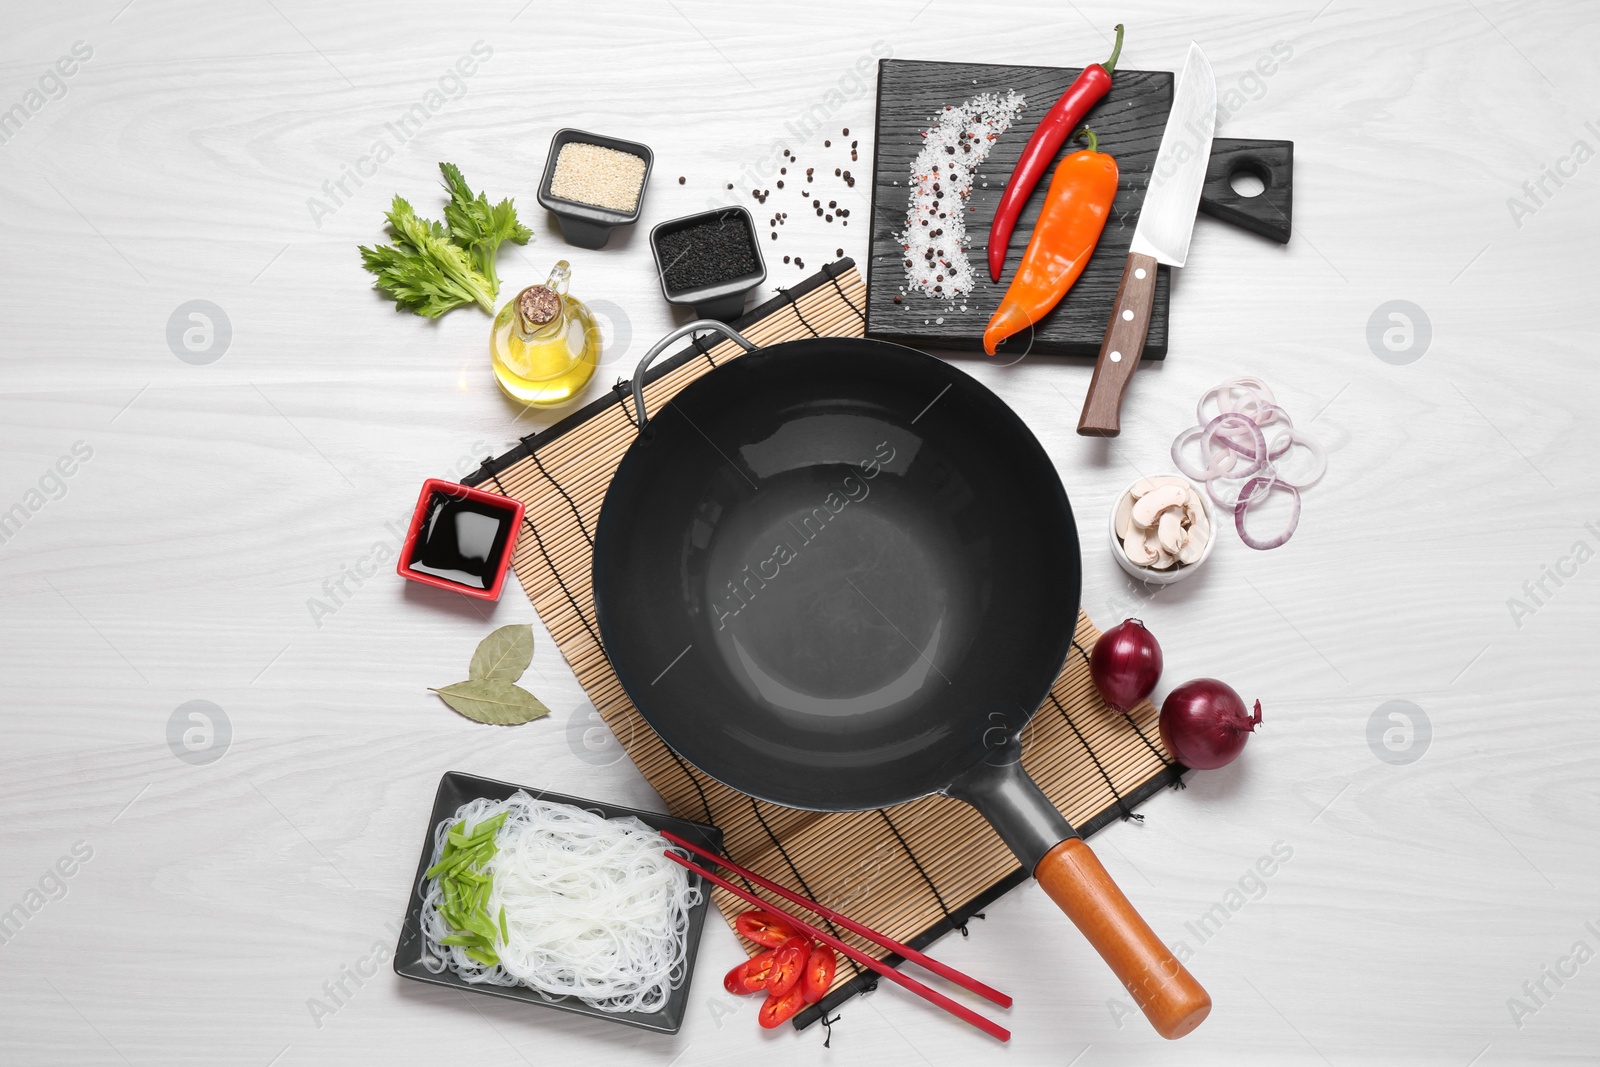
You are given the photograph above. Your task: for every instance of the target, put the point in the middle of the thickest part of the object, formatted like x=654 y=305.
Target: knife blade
x=1166 y=221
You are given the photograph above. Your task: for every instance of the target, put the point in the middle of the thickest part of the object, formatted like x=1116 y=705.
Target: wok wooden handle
x=1121 y=349
x=1167 y=993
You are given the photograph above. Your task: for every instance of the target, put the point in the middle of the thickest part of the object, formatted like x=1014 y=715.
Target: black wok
x=839 y=574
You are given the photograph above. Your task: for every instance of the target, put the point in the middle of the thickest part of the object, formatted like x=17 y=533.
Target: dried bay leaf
x=494 y=701
x=504 y=654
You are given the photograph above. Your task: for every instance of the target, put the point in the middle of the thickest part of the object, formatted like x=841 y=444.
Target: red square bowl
x=460 y=536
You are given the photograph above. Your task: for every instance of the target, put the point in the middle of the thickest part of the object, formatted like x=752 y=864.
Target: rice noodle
x=593 y=907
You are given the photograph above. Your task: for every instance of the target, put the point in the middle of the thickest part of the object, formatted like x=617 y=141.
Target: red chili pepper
x=763 y=928
x=1048 y=137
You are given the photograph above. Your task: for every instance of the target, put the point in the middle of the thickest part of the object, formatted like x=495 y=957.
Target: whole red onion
x=1204 y=724
x=1125 y=664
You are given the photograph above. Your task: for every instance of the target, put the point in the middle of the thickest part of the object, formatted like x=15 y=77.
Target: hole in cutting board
x=1247 y=182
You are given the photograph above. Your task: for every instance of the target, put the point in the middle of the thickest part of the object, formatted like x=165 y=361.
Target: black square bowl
x=456 y=789
x=588 y=225
x=723 y=300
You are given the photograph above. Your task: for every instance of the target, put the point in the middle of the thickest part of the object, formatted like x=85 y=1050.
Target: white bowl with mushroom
x=1162 y=529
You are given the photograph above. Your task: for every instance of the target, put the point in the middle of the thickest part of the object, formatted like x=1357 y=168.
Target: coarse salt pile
x=603 y=177
x=934 y=240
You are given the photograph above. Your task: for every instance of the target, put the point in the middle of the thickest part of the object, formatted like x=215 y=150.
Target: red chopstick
x=905 y=951
x=960 y=1011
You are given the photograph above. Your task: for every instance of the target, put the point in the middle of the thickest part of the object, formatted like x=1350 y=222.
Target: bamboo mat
x=914 y=872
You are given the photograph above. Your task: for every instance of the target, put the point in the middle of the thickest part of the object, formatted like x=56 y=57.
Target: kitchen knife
x=1166 y=220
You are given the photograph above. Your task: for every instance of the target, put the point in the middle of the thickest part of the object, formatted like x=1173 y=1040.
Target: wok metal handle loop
x=640 y=415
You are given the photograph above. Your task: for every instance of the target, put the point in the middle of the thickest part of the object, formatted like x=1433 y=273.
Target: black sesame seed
x=827 y=144
x=839 y=251
x=680 y=179
x=706 y=254
x=780 y=183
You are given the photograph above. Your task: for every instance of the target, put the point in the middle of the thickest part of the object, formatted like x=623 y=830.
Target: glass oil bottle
x=545 y=345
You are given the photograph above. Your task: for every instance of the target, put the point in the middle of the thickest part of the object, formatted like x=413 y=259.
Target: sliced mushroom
x=1195 y=504
x=1170 y=532
x=1152 y=504
x=1124 y=517
x=1140 y=551
x=1194 y=549
x=1141 y=487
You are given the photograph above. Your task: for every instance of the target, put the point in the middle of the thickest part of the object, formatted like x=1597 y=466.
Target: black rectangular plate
x=456 y=789
x=1129 y=121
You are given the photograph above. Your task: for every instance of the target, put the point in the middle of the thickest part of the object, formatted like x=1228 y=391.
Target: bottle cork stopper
x=538 y=304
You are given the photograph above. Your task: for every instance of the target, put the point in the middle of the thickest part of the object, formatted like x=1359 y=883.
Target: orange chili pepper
x=1075 y=211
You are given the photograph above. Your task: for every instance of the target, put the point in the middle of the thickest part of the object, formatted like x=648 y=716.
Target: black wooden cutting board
x=1129 y=121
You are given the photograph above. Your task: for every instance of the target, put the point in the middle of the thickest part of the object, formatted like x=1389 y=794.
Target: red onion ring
x=1246 y=406
x=1247 y=496
x=1215 y=428
x=1215 y=468
x=1255 y=390
x=1319 y=457
x=1247 y=480
x=1228 y=439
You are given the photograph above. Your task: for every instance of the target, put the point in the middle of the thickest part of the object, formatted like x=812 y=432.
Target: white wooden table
x=196 y=152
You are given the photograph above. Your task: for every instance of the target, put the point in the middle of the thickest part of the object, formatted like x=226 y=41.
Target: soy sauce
x=462 y=541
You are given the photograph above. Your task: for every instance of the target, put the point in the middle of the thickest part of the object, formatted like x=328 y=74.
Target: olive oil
x=545 y=345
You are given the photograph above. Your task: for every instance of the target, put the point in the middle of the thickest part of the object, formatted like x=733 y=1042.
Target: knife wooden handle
x=1122 y=348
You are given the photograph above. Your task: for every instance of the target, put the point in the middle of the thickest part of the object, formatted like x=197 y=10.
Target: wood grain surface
x=1410 y=909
